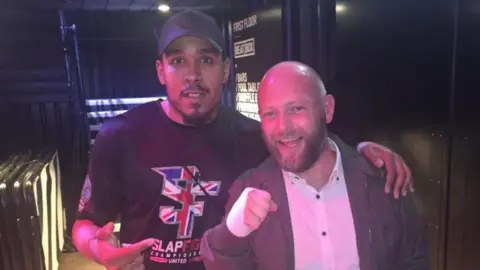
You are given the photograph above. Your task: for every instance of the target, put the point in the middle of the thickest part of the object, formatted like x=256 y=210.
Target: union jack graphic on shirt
x=178 y=185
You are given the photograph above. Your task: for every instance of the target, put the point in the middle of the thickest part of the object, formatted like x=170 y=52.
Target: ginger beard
x=297 y=149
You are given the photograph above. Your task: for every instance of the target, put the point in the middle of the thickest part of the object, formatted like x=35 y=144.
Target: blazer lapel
x=275 y=185
x=356 y=170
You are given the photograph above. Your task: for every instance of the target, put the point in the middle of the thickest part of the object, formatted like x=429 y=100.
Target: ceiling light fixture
x=340 y=8
x=163 y=8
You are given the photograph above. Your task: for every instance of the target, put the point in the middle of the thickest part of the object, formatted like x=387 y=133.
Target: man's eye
x=177 y=61
x=206 y=60
x=298 y=109
x=269 y=114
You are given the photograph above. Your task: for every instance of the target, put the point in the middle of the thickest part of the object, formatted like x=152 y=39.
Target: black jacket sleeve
x=220 y=249
x=414 y=252
x=101 y=195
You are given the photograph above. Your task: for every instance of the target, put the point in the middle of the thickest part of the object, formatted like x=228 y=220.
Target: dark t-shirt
x=137 y=169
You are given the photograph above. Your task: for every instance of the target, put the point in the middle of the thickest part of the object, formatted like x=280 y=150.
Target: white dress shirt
x=322 y=222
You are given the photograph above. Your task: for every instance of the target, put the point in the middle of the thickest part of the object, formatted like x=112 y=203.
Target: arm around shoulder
x=220 y=248
x=414 y=252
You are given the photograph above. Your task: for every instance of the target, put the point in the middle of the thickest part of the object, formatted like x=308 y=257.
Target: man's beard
x=202 y=112
x=197 y=118
x=313 y=148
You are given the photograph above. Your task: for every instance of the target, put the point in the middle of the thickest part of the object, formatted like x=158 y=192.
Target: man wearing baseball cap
x=166 y=167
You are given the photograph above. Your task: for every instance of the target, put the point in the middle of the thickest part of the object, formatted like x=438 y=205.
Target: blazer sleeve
x=414 y=252
x=220 y=249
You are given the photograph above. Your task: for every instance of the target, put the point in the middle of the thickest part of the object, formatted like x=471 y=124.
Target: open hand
x=398 y=176
x=116 y=257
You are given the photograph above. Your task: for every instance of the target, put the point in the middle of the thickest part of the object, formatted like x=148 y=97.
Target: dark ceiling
x=132 y=5
x=135 y=5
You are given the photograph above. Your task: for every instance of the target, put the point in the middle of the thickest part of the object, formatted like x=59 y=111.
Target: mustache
x=289 y=133
x=194 y=87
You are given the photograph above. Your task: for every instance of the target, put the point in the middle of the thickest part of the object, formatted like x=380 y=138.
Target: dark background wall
x=117 y=52
x=464 y=189
x=404 y=73
x=34 y=92
x=393 y=79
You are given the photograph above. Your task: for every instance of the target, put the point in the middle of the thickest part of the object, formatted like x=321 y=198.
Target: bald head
x=294 y=110
x=300 y=76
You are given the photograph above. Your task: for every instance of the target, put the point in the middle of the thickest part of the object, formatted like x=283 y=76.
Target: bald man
x=315 y=204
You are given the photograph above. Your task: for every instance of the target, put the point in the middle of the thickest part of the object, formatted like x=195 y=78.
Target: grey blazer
x=389 y=232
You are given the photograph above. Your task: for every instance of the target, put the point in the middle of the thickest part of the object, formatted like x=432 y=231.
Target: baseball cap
x=189 y=23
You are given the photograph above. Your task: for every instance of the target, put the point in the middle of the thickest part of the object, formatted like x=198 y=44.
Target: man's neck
x=177 y=117
x=319 y=174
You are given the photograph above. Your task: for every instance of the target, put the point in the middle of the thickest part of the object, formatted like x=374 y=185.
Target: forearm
x=84 y=238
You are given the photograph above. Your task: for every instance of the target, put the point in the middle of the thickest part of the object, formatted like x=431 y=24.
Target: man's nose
x=284 y=123
x=193 y=73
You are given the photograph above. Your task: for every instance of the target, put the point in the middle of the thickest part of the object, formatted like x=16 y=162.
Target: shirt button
x=324 y=233
x=318 y=196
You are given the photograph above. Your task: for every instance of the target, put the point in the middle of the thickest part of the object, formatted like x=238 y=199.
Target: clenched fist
x=249 y=211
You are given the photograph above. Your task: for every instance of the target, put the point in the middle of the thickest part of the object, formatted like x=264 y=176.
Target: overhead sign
x=257 y=46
